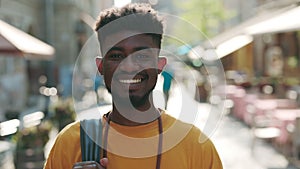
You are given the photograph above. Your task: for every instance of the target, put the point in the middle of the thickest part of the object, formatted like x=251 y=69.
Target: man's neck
x=129 y=117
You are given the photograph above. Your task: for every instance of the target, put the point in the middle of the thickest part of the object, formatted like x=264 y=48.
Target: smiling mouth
x=131 y=81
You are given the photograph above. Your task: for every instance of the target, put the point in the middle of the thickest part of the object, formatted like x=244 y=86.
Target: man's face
x=131 y=66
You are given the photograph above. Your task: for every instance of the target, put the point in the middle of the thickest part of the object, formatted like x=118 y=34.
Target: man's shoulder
x=192 y=131
x=179 y=124
x=71 y=131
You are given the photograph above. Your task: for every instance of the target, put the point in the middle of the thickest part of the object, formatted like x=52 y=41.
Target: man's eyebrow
x=141 y=48
x=115 y=48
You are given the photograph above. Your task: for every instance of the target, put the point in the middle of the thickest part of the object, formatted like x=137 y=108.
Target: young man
x=135 y=133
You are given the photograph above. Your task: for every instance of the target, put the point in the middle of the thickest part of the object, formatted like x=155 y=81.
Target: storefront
x=17 y=50
x=263 y=48
x=277 y=50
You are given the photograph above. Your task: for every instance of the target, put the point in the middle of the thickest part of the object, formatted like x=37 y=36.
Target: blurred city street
x=49 y=75
x=233 y=140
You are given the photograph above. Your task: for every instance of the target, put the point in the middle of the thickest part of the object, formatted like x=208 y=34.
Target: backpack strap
x=91 y=139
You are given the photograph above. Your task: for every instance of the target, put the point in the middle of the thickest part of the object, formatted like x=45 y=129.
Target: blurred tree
x=205 y=15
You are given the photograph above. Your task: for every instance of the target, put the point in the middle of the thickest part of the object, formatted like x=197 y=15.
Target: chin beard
x=133 y=101
x=139 y=101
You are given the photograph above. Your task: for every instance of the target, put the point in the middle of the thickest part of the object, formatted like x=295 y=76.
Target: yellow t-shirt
x=135 y=147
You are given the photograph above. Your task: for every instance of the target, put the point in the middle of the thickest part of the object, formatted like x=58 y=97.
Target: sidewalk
x=232 y=139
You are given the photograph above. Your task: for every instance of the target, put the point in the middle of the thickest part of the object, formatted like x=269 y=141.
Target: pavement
x=233 y=141
x=232 y=138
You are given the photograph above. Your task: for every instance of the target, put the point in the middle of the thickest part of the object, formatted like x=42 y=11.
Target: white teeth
x=131 y=81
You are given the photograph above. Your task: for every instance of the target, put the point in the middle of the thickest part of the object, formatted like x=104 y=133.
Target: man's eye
x=116 y=56
x=142 y=56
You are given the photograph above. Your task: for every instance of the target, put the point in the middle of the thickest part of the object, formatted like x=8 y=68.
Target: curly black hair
x=140 y=17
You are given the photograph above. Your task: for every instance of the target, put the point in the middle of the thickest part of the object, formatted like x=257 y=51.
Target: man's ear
x=99 y=63
x=162 y=61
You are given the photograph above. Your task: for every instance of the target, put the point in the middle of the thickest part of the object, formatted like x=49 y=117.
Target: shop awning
x=14 y=41
x=233 y=44
x=284 y=22
x=240 y=35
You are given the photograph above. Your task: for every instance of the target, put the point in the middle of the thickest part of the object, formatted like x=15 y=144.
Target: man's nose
x=129 y=64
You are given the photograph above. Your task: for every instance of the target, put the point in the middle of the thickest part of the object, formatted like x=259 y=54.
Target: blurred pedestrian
x=135 y=133
x=167 y=74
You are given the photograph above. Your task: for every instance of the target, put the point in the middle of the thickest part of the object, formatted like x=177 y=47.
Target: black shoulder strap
x=91 y=139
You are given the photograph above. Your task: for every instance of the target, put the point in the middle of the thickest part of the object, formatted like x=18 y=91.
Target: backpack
x=91 y=139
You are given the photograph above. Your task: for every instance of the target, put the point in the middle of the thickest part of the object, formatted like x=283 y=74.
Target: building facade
x=273 y=56
x=64 y=24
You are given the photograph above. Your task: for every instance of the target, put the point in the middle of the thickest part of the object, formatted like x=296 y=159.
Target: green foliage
x=64 y=112
x=33 y=137
x=205 y=15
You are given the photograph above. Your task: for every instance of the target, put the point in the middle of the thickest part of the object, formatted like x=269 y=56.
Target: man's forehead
x=113 y=39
